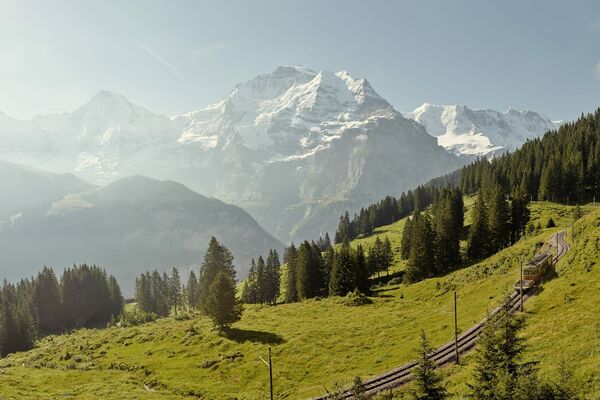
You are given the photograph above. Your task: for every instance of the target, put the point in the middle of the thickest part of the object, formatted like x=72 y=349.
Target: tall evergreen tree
x=361 y=271
x=291 y=258
x=47 y=301
x=221 y=304
x=498 y=217
x=427 y=384
x=217 y=259
x=498 y=368
x=407 y=233
x=192 y=291
x=519 y=215
x=421 y=259
x=175 y=289
x=478 y=242
x=342 y=280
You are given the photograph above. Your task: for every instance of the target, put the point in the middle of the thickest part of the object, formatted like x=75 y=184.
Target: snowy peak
x=261 y=111
x=466 y=131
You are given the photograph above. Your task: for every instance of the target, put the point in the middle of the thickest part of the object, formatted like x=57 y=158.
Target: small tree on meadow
x=427 y=384
x=221 y=304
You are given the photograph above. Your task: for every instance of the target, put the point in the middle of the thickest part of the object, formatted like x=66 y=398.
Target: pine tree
x=291 y=258
x=519 y=215
x=327 y=267
x=341 y=280
x=116 y=297
x=308 y=269
x=498 y=219
x=479 y=236
x=422 y=258
x=9 y=340
x=261 y=280
x=497 y=362
x=47 y=302
x=192 y=291
x=273 y=277
x=427 y=384
x=387 y=255
x=407 y=237
x=217 y=259
x=175 y=289
x=221 y=304
x=361 y=271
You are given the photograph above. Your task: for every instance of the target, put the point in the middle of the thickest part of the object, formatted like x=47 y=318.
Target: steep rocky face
x=128 y=226
x=294 y=142
x=469 y=132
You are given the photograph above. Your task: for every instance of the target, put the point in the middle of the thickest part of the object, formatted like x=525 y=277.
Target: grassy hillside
x=315 y=344
x=563 y=321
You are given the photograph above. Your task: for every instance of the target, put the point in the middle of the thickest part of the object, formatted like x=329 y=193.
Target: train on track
x=534 y=270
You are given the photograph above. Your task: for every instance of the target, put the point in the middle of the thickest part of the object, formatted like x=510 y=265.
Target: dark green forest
x=84 y=296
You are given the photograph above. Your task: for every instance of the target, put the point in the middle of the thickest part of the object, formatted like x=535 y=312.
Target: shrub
x=356 y=298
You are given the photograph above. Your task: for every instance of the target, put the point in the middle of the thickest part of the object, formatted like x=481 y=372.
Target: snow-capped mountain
x=295 y=147
x=289 y=144
x=100 y=141
x=465 y=131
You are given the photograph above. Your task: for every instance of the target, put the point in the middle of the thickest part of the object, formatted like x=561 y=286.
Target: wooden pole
x=271 y=373
x=455 y=329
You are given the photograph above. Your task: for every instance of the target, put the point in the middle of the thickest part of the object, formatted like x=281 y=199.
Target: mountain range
x=467 y=132
x=294 y=147
x=128 y=226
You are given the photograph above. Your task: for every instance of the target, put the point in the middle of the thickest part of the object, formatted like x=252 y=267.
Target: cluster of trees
x=500 y=372
x=498 y=220
x=431 y=240
x=213 y=292
x=262 y=284
x=334 y=272
x=385 y=212
x=562 y=165
x=159 y=294
x=84 y=296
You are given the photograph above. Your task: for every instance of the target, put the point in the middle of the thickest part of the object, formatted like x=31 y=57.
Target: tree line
x=563 y=165
x=84 y=296
x=263 y=283
x=335 y=272
x=385 y=212
x=213 y=292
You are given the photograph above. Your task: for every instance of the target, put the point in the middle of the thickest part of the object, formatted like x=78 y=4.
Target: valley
x=183 y=357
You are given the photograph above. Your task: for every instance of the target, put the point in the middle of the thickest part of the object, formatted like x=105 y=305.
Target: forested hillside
x=563 y=165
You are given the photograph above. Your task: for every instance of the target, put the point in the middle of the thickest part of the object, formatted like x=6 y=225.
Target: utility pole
x=455 y=329
x=270 y=365
x=521 y=283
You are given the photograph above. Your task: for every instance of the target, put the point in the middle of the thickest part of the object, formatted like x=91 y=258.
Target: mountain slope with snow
x=294 y=147
x=469 y=132
x=287 y=144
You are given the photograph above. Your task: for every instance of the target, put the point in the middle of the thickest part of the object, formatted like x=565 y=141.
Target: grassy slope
x=315 y=344
x=563 y=321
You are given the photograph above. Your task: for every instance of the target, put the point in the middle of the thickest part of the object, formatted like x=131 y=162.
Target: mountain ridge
x=286 y=146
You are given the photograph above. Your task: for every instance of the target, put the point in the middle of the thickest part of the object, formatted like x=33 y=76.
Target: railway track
x=446 y=353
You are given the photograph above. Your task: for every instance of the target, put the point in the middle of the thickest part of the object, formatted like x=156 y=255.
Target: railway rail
x=446 y=353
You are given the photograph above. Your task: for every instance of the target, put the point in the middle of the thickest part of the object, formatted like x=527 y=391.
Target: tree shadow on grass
x=249 y=335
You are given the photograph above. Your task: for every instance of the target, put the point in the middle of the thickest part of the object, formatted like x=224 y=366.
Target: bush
x=356 y=298
x=135 y=317
x=551 y=223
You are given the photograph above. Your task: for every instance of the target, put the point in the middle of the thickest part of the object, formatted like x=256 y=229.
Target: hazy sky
x=174 y=56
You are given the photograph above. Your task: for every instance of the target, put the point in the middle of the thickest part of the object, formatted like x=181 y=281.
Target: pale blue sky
x=174 y=56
